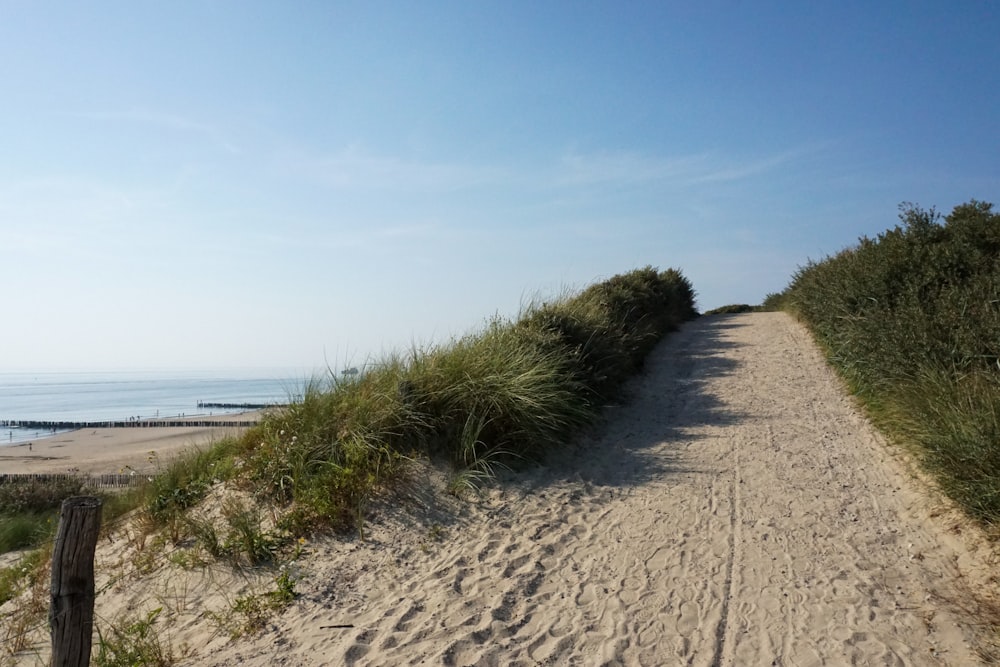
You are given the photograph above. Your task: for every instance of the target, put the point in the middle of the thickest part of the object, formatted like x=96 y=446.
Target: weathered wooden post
x=71 y=614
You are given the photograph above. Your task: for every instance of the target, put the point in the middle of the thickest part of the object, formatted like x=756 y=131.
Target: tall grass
x=502 y=395
x=912 y=320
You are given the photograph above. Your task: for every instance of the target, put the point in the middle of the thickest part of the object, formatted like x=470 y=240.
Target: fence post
x=71 y=614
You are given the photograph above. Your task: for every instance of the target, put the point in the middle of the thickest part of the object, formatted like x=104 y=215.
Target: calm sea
x=88 y=396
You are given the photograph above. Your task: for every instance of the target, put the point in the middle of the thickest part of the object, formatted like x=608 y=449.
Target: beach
x=113 y=450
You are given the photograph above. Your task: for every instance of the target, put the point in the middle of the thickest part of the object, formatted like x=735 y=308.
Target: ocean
x=124 y=395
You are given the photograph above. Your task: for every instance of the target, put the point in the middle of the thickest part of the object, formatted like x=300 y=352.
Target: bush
x=912 y=320
x=18 y=496
x=732 y=309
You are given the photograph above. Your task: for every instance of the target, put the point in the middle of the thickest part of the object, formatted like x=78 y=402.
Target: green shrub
x=912 y=320
x=27 y=529
x=732 y=309
x=37 y=495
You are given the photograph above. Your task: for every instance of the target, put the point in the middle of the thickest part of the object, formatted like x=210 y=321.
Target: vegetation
x=506 y=394
x=29 y=508
x=132 y=641
x=732 y=309
x=912 y=321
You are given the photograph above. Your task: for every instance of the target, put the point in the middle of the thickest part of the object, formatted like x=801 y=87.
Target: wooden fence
x=144 y=423
x=102 y=481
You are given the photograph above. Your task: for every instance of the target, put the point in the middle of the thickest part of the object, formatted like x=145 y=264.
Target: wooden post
x=71 y=614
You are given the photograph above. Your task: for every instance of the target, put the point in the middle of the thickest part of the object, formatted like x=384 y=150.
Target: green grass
x=26 y=529
x=131 y=642
x=911 y=319
x=496 y=398
x=732 y=309
x=29 y=509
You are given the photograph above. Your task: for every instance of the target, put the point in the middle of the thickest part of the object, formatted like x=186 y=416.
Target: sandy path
x=737 y=511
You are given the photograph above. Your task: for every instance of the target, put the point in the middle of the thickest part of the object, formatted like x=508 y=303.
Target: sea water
x=126 y=395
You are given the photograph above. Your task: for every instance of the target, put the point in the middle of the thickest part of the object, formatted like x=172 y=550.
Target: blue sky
x=248 y=184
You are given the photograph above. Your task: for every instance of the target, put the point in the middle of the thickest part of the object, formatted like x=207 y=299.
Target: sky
x=222 y=184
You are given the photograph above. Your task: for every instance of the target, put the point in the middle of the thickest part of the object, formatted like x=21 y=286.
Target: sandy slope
x=735 y=510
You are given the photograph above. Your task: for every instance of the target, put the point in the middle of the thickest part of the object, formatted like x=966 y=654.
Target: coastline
x=112 y=450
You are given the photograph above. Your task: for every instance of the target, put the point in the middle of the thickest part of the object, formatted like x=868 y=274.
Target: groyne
x=103 y=481
x=127 y=423
x=240 y=406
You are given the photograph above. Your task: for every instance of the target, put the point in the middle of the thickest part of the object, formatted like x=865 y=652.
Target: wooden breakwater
x=99 y=481
x=240 y=406
x=127 y=423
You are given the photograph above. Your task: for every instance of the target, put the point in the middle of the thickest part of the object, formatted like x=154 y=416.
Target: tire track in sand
x=735 y=511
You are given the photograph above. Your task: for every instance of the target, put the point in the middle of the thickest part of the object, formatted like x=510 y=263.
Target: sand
x=735 y=510
x=111 y=450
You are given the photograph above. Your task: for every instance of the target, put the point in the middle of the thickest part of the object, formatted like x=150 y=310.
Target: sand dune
x=735 y=510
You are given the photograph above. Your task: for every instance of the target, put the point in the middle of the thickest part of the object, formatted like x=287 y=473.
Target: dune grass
x=911 y=319
x=495 y=398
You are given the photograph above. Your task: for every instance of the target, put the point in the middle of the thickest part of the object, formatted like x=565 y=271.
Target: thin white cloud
x=163 y=120
x=623 y=167
x=632 y=168
x=356 y=169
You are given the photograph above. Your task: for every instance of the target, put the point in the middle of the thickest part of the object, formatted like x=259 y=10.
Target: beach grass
x=492 y=399
x=495 y=398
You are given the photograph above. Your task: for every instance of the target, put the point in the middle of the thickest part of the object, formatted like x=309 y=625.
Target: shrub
x=731 y=309
x=912 y=320
x=37 y=495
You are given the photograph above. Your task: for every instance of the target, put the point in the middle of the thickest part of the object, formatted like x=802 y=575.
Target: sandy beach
x=735 y=509
x=111 y=450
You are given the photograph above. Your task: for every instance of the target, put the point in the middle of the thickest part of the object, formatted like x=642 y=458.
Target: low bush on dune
x=912 y=320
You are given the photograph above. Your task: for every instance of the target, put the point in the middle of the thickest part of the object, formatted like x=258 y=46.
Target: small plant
x=479 y=464
x=132 y=642
x=206 y=536
x=188 y=559
x=29 y=580
x=249 y=614
x=284 y=594
x=248 y=541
